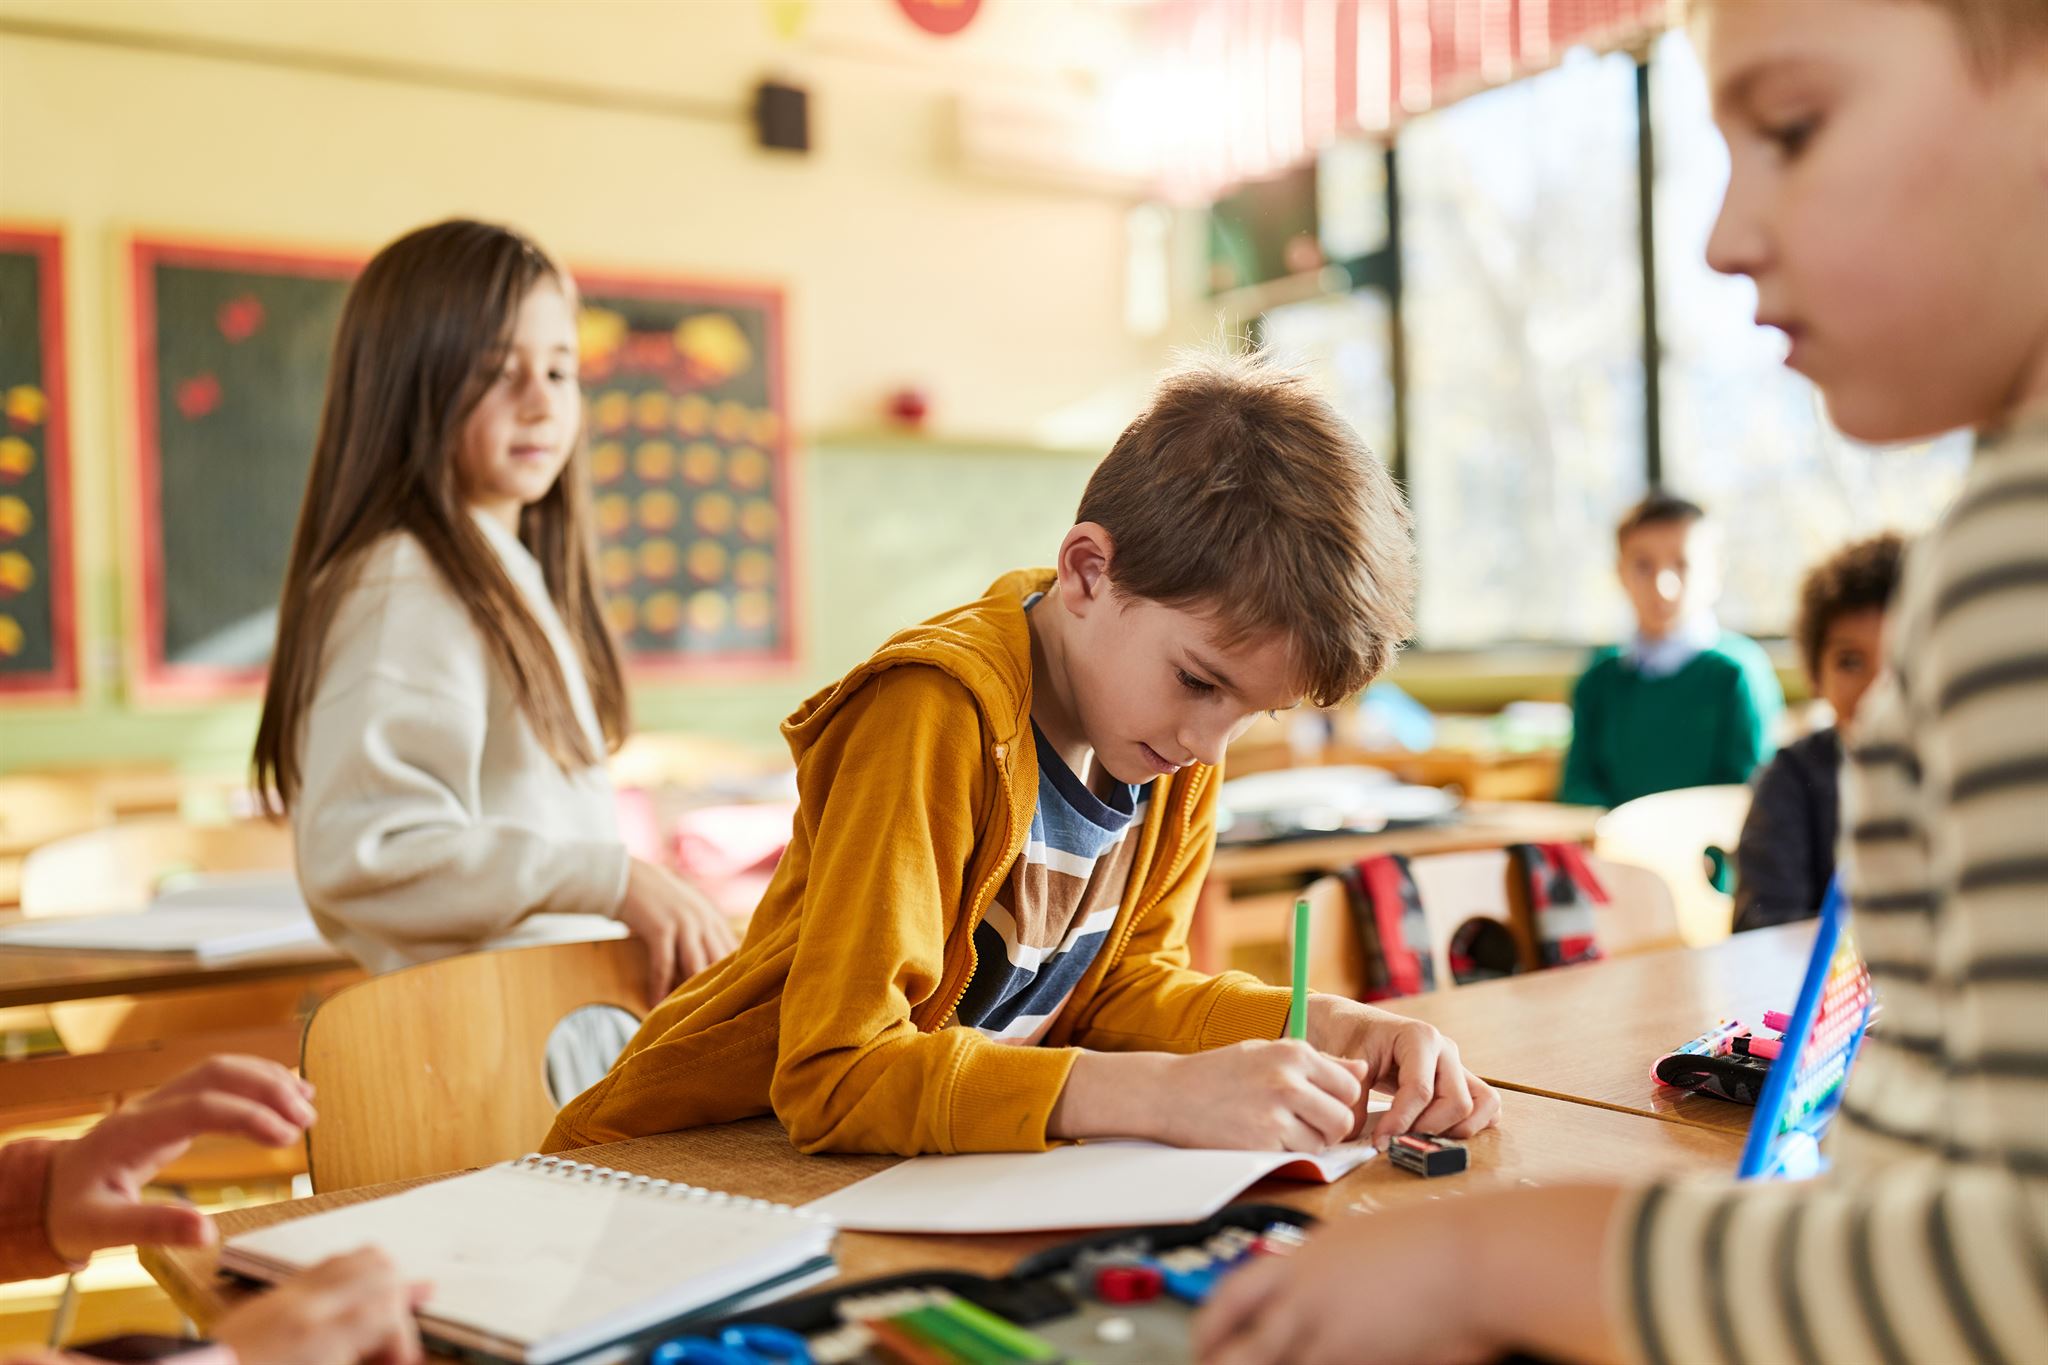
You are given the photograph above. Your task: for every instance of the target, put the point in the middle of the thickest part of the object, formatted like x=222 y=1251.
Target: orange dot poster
x=689 y=461
x=37 y=657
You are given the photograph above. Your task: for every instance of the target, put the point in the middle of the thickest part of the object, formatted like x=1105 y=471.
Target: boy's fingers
x=1337 y=1077
x=1417 y=1083
x=1453 y=1103
x=1485 y=1109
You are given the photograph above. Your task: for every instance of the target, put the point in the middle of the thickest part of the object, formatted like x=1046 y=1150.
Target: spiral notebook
x=545 y=1259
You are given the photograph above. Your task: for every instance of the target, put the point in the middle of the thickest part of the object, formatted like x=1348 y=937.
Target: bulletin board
x=689 y=459
x=38 y=657
x=231 y=360
x=688 y=446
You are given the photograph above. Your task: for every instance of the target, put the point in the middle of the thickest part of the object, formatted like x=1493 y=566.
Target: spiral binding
x=563 y=1169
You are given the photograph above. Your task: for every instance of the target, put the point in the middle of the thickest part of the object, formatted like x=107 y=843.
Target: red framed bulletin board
x=688 y=444
x=688 y=421
x=231 y=351
x=38 y=624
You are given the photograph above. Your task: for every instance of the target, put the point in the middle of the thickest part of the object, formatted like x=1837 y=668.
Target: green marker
x=1297 y=1018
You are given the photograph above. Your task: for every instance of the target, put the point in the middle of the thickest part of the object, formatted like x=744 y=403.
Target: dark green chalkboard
x=232 y=360
x=36 y=653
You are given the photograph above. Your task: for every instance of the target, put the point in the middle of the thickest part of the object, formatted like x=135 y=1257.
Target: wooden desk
x=61 y=1083
x=1542 y=1141
x=1243 y=917
x=45 y=976
x=1590 y=1033
x=1483 y=775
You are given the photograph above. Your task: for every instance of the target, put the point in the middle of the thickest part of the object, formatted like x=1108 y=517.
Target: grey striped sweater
x=1928 y=1241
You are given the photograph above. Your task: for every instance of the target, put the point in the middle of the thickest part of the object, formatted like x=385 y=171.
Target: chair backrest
x=1336 y=957
x=1458 y=887
x=1641 y=916
x=37 y=809
x=443 y=1066
x=1680 y=835
x=1453 y=888
x=120 y=866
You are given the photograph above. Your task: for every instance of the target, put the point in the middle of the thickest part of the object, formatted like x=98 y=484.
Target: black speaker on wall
x=782 y=116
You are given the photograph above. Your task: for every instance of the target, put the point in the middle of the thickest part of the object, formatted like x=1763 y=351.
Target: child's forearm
x=1111 y=1094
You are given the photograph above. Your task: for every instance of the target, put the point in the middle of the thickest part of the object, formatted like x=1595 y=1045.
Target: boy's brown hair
x=1657 y=509
x=1240 y=493
x=1857 y=577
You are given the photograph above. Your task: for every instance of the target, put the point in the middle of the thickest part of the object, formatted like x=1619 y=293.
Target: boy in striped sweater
x=1889 y=196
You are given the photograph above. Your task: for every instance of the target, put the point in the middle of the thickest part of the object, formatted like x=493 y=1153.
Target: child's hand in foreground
x=96 y=1181
x=1449 y=1280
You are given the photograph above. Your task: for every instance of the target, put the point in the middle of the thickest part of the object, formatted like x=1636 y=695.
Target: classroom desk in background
x=30 y=977
x=1247 y=902
x=1591 y=1033
x=1540 y=1140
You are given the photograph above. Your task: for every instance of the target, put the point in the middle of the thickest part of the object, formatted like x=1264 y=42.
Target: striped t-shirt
x=1052 y=913
x=1928 y=1241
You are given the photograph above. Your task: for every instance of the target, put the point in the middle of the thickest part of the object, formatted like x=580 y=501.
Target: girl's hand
x=1408 y=1059
x=96 y=1181
x=343 y=1311
x=684 y=932
x=1258 y=1096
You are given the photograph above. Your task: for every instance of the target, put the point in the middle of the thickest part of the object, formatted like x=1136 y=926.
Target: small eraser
x=1426 y=1155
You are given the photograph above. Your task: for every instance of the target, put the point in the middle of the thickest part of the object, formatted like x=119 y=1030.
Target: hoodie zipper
x=978 y=904
x=1187 y=823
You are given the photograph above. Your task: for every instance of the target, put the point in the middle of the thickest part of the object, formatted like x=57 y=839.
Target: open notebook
x=1081 y=1185
x=546 y=1259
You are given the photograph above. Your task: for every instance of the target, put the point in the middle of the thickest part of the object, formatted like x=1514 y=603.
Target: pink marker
x=1766 y=1048
x=1777 y=1021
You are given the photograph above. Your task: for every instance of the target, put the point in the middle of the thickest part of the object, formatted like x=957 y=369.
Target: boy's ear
x=1083 y=567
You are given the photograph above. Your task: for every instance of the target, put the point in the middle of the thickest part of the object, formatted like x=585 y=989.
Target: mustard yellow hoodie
x=917 y=777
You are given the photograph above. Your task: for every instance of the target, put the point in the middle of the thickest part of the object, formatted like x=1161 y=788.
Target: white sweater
x=1929 y=1239
x=431 y=818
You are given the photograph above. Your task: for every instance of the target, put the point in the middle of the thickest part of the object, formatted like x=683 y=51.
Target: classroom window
x=1743 y=435
x=1522 y=308
x=1345 y=343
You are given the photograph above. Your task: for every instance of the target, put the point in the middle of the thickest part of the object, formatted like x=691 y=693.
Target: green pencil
x=1297 y=1018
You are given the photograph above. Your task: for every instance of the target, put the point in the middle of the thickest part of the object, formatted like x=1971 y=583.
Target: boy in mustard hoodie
x=977 y=940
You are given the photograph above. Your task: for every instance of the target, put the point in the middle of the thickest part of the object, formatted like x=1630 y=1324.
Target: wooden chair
x=1681 y=835
x=1458 y=887
x=1453 y=888
x=1641 y=914
x=442 y=1066
x=37 y=809
x=121 y=866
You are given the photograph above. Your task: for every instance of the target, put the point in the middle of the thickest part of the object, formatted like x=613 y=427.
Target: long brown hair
x=426 y=326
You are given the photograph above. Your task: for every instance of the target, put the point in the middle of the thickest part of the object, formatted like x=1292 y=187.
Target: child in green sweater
x=1685 y=703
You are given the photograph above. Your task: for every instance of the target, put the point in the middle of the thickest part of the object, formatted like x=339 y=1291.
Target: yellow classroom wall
x=1005 y=300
